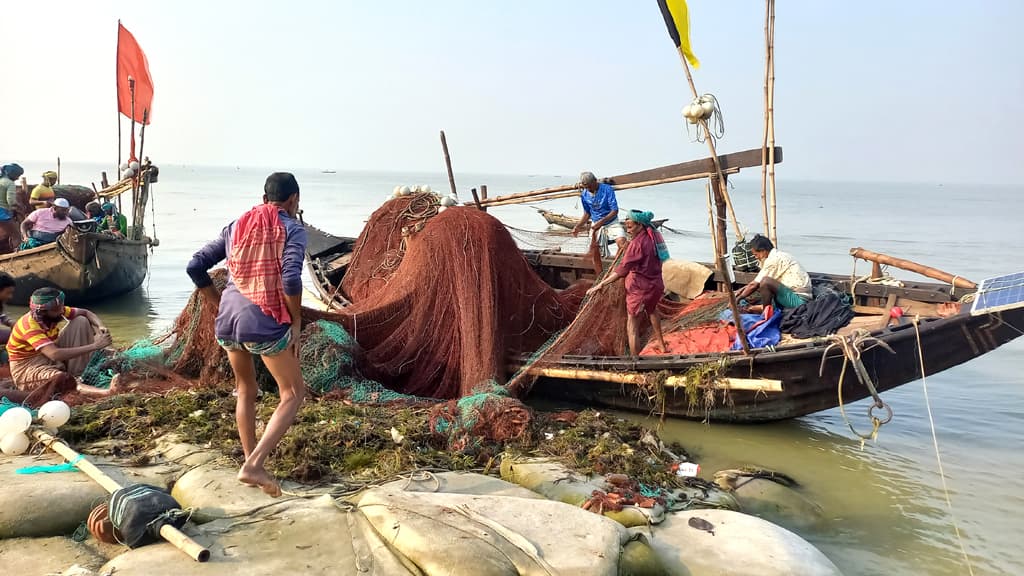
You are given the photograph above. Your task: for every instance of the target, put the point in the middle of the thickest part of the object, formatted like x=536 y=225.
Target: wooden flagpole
x=764 y=138
x=718 y=184
x=771 y=120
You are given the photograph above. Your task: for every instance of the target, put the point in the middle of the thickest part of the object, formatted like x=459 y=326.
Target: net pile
x=489 y=415
x=438 y=301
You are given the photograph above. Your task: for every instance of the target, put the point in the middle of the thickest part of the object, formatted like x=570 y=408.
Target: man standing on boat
x=602 y=209
x=782 y=279
x=46 y=224
x=259 y=314
x=43 y=194
x=9 y=175
x=46 y=358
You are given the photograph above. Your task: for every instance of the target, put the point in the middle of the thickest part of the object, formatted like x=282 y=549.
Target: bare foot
x=253 y=476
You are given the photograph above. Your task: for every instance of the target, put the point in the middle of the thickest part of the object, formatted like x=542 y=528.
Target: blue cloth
x=760 y=332
x=601 y=203
x=239 y=320
x=5 y=214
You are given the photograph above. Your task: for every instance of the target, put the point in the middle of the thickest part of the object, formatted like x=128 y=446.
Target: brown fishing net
x=439 y=299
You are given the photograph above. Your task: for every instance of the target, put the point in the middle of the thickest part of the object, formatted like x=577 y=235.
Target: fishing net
x=489 y=414
x=440 y=298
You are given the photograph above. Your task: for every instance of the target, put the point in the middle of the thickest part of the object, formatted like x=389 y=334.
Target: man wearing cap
x=46 y=224
x=42 y=195
x=113 y=221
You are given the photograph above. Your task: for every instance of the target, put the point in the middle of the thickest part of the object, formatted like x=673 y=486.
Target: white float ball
x=54 y=414
x=14 y=420
x=397 y=191
x=123 y=166
x=447 y=201
x=134 y=165
x=406 y=191
x=441 y=209
x=425 y=188
x=14 y=444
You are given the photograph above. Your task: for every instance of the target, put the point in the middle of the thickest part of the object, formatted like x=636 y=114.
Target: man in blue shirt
x=602 y=209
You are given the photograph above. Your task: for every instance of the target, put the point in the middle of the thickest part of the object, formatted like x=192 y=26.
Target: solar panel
x=999 y=293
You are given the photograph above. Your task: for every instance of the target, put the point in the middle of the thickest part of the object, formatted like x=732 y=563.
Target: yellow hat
x=50 y=174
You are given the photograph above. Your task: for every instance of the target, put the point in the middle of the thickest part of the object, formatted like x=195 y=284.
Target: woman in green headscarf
x=641 y=267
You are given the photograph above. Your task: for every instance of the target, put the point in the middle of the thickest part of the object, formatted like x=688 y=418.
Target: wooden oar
x=167 y=532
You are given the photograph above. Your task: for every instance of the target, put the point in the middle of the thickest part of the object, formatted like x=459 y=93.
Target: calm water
x=885 y=509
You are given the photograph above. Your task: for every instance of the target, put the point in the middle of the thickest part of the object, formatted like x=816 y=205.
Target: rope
x=65 y=467
x=938 y=456
x=852 y=348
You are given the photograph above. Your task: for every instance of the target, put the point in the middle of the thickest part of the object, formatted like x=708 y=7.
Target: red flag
x=131 y=63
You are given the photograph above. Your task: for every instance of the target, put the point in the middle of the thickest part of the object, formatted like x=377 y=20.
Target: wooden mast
x=720 y=194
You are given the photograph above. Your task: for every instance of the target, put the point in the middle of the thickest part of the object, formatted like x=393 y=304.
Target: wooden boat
x=766 y=385
x=556 y=219
x=85 y=264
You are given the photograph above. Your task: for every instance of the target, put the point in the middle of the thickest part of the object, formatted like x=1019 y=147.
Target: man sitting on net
x=48 y=355
x=782 y=280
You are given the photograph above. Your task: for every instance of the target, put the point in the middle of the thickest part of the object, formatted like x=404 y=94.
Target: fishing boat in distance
x=86 y=264
x=556 y=219
x=872 y=354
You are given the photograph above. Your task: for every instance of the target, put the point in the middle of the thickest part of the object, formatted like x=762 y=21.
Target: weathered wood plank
x=736 y=160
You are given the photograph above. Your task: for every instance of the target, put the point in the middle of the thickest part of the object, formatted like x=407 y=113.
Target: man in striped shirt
x=46 y=358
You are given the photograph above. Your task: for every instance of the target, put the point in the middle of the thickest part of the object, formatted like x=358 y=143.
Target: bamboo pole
x=448 y=164
x=170 y=533
x=58 y=169
x=570 y=192
x=941 y=276
x=718 y=182
x=637 y=378
x=764 y=137
x=771 y=122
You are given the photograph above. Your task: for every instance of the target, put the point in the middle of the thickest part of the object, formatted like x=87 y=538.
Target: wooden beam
x=673 y=173
x=736 y=160
x=636 y=378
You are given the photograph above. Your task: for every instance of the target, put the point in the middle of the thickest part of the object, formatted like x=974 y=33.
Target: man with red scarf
x=259 y=314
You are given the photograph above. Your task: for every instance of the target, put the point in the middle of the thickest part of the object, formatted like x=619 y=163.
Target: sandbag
x=456 y=534
x=726 y=543
x=556 y=482
x=777 y=500
x=44 y=504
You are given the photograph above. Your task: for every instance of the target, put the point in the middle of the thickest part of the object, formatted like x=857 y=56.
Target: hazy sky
x=905 y=90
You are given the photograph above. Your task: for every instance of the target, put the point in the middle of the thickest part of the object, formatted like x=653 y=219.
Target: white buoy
x=134 y=165
x=14 y=420
x=425 y=188
x=123 y=166
x=397 y=191
x=54 y=414
x=14 y=444
x=127 y=173
x=406 y=191
x=441 y=209
x=447 y=201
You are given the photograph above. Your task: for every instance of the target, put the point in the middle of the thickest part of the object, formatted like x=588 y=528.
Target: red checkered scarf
x=254 y=263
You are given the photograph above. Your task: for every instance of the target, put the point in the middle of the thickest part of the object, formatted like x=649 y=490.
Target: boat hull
x=86 y=266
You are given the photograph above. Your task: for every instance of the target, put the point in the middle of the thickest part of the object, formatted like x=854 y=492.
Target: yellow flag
x=677 y=19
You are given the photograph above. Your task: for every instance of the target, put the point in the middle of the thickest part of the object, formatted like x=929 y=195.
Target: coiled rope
x=852 y=348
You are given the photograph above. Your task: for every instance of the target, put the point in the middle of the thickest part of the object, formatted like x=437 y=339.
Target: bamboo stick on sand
x=176 y=537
